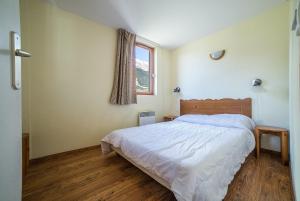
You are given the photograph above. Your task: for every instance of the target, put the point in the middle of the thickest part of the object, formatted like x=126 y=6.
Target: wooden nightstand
x=280 y=132
x=170 y=117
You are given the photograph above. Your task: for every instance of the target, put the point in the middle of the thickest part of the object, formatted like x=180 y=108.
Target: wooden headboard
x=221 y=106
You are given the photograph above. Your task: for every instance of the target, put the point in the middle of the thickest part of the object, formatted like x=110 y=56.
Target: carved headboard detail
x=220 y=106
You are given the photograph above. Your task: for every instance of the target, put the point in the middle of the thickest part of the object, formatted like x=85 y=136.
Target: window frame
x=151 y=68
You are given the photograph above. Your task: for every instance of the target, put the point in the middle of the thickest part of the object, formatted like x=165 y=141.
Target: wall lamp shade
x=217 y=55
x=256 y=82
x=176 y=90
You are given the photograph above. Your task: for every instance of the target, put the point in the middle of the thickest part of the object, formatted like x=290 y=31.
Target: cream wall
x=256 y=48
x=294 y=105
x=68 y=81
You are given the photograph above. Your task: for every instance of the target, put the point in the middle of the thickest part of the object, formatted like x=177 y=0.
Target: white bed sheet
x=198 y=161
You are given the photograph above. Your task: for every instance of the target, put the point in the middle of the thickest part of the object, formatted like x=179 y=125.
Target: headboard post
x=219 y=106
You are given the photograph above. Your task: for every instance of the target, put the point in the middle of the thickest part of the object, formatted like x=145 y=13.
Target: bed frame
x=153 y=176
x=208 y=106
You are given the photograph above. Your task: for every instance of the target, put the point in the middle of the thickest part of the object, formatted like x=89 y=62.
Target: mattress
x=197 y=160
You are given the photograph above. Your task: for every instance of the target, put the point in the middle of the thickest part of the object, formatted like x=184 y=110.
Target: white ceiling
x=170 y=23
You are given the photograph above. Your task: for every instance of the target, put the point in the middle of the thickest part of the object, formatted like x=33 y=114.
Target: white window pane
x=142 y=69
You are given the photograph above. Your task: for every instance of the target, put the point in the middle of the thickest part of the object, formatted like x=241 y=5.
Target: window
x=144 y=62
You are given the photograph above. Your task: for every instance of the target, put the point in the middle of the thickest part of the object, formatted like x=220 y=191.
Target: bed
x=196 y=155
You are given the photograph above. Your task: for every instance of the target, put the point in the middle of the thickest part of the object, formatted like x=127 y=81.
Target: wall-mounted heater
x=146 y=118
x=296 y=21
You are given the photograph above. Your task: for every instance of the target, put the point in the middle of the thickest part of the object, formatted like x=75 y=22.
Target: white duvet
x=198 y=155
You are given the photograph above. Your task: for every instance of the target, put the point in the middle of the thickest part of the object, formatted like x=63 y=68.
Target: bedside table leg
x=257 y=141
x=284 y=148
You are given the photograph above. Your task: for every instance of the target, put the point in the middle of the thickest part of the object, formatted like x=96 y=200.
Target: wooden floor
x=88 y=175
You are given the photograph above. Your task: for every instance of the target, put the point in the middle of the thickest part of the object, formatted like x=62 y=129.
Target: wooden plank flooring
x=90 y=176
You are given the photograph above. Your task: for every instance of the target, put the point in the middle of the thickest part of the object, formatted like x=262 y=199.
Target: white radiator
x=146 y=118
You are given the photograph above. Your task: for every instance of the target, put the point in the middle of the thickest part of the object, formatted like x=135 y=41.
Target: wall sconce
x=176 y=90
x=256 y=82
x=217 y=55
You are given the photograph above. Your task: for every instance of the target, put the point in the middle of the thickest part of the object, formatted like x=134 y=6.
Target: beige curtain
x=124 y=87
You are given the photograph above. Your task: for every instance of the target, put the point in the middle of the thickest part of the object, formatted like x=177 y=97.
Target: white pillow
x=223 y=120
